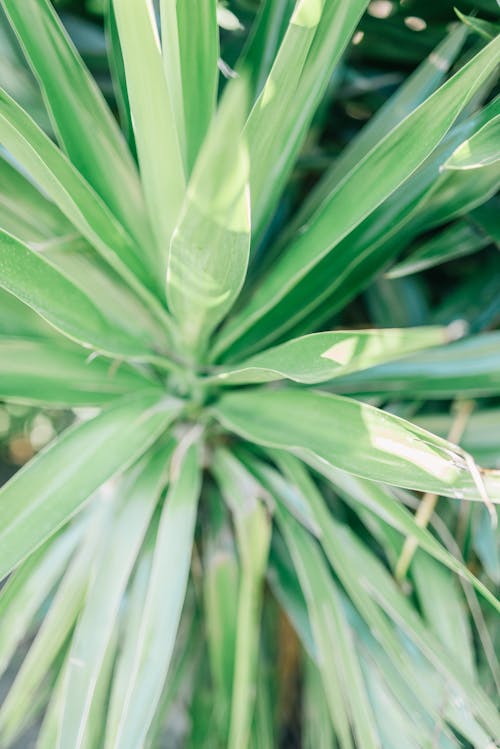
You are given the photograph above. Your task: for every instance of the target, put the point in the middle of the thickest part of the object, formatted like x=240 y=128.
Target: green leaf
x=138 y=494
x=79 y=263
x=28 y=587
x=37 y=283
x=265 y=38
x=66 y=187
x=381 y=588
x=469 y=367
x=253 y=532
x=415 y=89
x=480 y=150
x=338 y=430
x=156 y=135
x=318 y=730
x=117 y=71
x=365 y=187
x=42 y=496
x=82 y=120
x=209 y=251
x=352 y=562
x=55 y=629
x=442 y=603
x=322 y=356
x=130 y=625
x=19 y=321
x=337 y=658
x=486 y=29
x=48 y=373
x=24 y=211
x=485 y=217
x=316 y=37
x=458 y=240
x=426 y=197
x=220 y=593
x=379 y=501
x=163 y=605
x=190 y=43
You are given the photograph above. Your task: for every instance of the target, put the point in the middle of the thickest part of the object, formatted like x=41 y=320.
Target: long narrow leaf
x=209 y=251
x=469 y=367
x=366 y=186
x=153 y=119
x=62 y=182
x=190 y=45
x=48 y=491
x=322 y=356
x=36 y=282
x=480 y=150
x=51 y=374
x=163 y=606
x=138 y=497
x=317 y=35
x=339 y=430
x=85 y=126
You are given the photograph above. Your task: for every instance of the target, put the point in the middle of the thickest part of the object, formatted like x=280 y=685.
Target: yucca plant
x=220 y=548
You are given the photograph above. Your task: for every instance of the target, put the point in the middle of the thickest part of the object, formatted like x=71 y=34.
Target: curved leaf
x=357 y=438
x=481 y=149
x=209 y=251
x=322 y=356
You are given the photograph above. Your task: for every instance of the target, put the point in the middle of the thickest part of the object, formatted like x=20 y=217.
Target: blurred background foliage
x=448 y=268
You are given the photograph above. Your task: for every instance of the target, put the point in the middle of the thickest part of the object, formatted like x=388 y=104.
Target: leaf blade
x=41 y=497
x=337 y=430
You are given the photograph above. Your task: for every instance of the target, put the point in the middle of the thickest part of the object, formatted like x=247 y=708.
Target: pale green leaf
x=378 y=500
x=30 y=277
x=24 y=211
x=51 y=488
x=48 y=373
x=336 y=655
x=190 y=43
x=114 y=298
x=470 y=367
x=220 y=593
x=209 y=251
x=66 y=187
x=480 y=150
x=415 y=89
x=315 y=39
x=26 y=590
x=84 y=125
x=163 y=605
x=253 y=532
x=55 y=629
x=458 y=240
x=368 y=585
x=138 y=494
x=442 y=604
x=340 y=430
x=322 y=356
x=158 y=144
